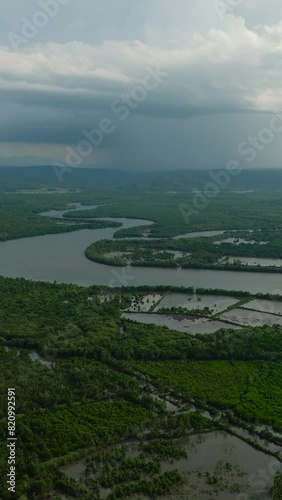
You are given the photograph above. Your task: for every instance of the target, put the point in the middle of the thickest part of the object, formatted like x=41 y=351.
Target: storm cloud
x=179 y=85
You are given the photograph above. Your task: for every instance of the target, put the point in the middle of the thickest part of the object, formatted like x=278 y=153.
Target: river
x=60 y=257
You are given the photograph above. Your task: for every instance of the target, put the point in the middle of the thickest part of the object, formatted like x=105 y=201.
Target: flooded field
x=170 y=407
x=266 y=445
x=234 y=465
x=215 y=302
x=144 y=304
x=75 y=470
x=190 y=325
x=247 y=317
x=267 y=306
x=218 y=465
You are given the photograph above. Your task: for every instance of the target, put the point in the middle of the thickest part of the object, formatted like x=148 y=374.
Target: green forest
x=19 y=212
x=91 y=389
x=90 y=384
x=198 y=252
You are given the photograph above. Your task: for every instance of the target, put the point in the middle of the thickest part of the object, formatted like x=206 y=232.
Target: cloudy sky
x=157 y=84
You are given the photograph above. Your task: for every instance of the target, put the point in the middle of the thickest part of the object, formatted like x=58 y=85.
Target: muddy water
x=251 y=318
x=60 y=257
x=190 y=325
x=205 y=451
x=249 y=474
x=215 y=302
x=267 y=306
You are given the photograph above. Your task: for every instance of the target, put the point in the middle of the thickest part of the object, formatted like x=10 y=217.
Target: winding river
x=60 y=257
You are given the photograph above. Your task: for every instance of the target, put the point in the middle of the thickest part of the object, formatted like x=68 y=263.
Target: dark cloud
x=222 y=79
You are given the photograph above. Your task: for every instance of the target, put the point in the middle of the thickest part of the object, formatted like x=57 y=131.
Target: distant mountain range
x=25 y=161
x=14 y=178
